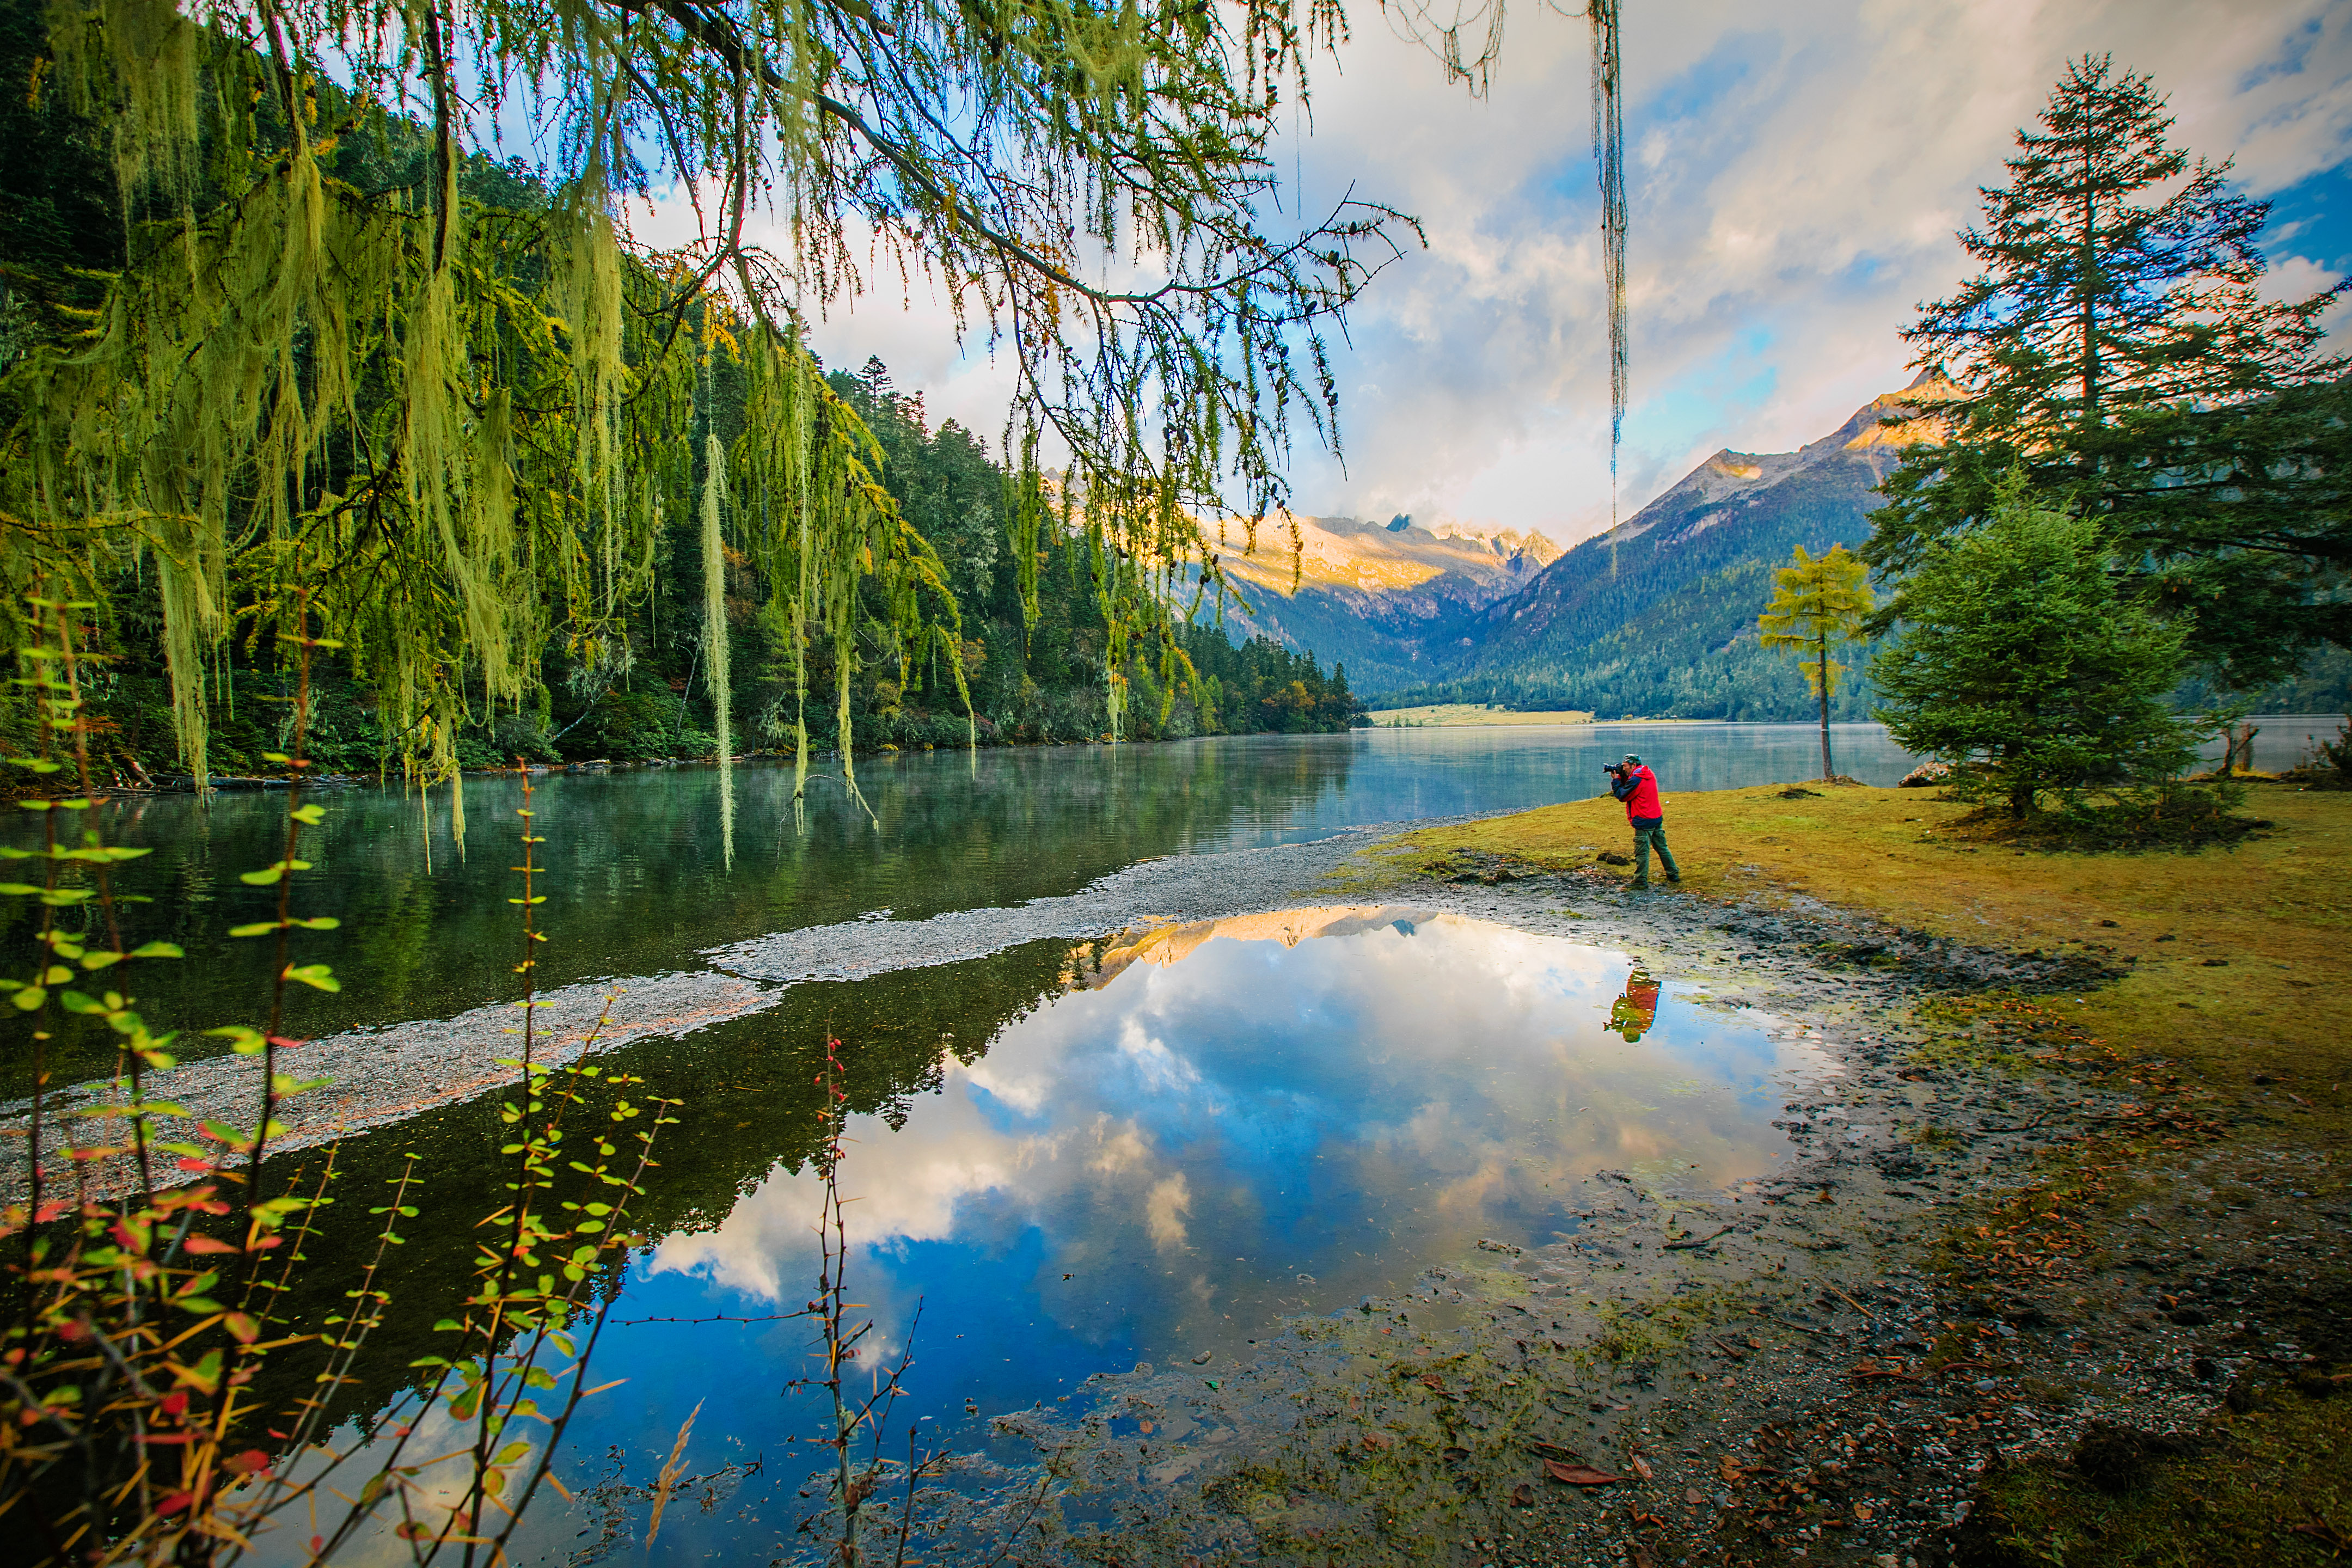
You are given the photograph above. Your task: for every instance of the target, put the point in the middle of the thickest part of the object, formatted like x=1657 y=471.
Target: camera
x=1615 y=769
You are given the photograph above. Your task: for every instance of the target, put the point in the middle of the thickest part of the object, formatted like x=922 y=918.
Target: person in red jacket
x=1637 y=786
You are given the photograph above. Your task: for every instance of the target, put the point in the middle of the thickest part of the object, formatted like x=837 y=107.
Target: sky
x=1796 y=175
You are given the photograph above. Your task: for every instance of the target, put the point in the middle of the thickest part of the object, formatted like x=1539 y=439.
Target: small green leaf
x=159 y=950
x=308 y=815
x=259 y=928
x=28 y=998
x=318 y=922
x=314 y=975
x=259 y=879
x=95 y=961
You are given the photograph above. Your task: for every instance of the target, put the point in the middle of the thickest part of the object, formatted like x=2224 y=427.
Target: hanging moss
x=347 y=359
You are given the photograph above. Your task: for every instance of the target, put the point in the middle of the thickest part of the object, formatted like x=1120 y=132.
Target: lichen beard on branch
x=340 y=355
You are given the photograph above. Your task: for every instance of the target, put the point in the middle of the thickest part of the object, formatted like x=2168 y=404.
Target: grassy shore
x=1454 y=714
x=2227 y=987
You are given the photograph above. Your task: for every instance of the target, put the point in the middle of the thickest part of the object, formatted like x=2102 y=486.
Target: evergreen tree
x=1822 y=600
x=2116 y=346
x=2023 y=664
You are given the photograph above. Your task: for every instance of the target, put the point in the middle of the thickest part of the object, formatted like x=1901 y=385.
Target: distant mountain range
x=1656 y=618
x=1389 y=600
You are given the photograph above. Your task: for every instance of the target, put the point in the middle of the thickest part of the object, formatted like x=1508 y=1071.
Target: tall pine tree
x=2118 y=346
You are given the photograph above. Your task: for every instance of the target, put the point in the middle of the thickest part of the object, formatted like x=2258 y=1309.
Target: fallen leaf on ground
x=1693 y=1496
x=1580 y=1475
x=1641 y=1468
x=1524 y=1495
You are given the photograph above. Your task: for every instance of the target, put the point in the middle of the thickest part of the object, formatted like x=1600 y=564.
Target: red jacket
x=1642 y=806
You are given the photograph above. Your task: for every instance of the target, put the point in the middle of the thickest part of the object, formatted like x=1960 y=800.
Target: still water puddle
x=1232 y=1122
x=1202 y=1130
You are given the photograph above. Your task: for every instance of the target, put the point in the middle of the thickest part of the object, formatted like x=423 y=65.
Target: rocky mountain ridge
x=1385 y=599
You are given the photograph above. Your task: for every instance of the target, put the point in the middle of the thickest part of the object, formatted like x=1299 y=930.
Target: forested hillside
x=1037 y=684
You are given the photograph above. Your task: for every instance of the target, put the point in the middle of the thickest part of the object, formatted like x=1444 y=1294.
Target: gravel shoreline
x=377 y=1076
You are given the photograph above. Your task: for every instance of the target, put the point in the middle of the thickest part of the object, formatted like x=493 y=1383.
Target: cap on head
x=1631 y=761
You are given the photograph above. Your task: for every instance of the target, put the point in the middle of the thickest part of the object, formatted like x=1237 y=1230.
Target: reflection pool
x=1206 y=1129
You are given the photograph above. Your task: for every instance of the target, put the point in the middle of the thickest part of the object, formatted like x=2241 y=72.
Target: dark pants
x=1648 y=831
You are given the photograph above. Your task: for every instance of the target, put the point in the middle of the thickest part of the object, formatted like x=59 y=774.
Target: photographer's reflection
x=1632 y=1014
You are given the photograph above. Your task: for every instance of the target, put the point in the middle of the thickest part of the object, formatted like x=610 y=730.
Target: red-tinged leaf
x=1580 y=1475
x=173 y=1404
x=264 y=1243
x=171 y=1504
x=51 y=1210
x=318 y=1545
x=253 y=1461
x=185 y=1163
x=243 y=1327
x=1642 y=1469
x=205 y=1245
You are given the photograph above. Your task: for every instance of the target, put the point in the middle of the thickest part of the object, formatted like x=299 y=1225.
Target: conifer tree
x=2021 y=662
x=2118 y=347
x=1822 y=600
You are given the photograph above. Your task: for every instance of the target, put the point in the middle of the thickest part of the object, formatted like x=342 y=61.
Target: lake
x=638 y=884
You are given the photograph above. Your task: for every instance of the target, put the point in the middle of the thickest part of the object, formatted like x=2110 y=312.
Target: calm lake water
x=1073 y=1165
x=637 y=883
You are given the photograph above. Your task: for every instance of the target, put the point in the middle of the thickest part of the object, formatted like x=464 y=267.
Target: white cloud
x=1796 y=177
x=1797 y=174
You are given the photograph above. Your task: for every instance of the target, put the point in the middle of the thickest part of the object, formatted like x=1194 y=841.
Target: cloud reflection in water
x=1262 y=1116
